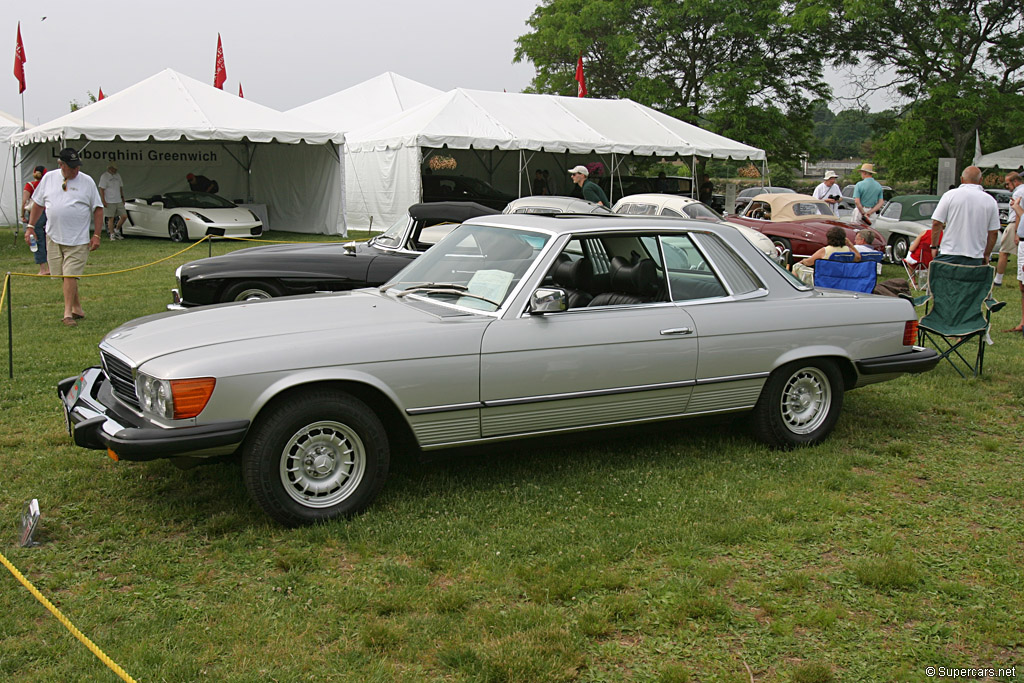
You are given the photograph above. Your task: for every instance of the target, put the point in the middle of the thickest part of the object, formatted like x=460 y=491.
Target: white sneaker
x=111 y=236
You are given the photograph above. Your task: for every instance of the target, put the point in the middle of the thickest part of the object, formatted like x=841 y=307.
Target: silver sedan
x=512 y=326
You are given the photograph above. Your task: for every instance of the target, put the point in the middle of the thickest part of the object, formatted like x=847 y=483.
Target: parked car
x=512 y=326
x=460 y=188
x=797 y=223
x=684 y=207
x=848 y=204
x=901 y=220
x=284 y=269
x=624 y=185
x=744 y=196
x=1002 y=197
x=550 y=204
x=187 y=216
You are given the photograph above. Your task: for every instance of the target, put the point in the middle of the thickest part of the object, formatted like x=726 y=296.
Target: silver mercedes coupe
x=512 y=326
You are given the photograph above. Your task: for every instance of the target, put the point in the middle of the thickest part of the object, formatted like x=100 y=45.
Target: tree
x=958 y=63
x=741 y=69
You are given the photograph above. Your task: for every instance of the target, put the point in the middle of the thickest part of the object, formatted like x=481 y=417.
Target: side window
x=670 y=212
x=690 y=276
x=736 y=272
x=892 y=210
x=927 y=208
x=633 y=209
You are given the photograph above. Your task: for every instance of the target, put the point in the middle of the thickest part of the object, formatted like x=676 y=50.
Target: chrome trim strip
x=733 y=378
x=428 y=410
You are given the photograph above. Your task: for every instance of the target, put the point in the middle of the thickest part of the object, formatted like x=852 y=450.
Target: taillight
x=191 y=396
x=910 y=333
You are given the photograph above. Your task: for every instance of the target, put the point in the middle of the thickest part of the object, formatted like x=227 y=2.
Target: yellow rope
x=67 y=624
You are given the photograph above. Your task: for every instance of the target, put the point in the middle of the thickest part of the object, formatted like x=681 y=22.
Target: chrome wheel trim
x=252 y=294
x=322 y=464
x=900 y=249
x=806 y=400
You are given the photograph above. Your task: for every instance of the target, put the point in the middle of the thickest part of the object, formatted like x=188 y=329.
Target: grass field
x=675 y=553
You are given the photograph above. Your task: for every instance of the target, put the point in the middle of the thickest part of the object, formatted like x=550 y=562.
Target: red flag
x=100 y=96
x=581 y=90
x=240 y=90
x=19 y=62
x=220 y=73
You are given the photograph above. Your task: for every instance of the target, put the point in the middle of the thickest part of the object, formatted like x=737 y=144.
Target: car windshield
x=475 y=266
x=480 y=187
x=197 y=200
x=392 y=237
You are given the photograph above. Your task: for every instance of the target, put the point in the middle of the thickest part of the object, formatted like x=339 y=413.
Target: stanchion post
x=10 y=328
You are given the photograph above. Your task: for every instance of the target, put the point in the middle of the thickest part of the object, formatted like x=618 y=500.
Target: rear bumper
x=919 y=359
x=96 y=420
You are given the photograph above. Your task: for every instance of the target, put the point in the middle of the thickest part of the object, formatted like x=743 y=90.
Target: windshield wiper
x=425 y=285
x=438 y=288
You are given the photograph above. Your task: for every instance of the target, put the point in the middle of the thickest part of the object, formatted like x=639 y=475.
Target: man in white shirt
x=71 y=200
x=1008 y=243
x=829 y=192
x=112 y=193
x=966 y=222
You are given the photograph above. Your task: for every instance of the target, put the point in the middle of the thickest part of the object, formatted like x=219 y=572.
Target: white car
x=654 y=204
x=187 y=216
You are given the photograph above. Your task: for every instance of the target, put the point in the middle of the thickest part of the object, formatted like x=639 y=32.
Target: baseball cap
x=112 y=165
x=41 y=169
x=190 y=176
x=70 y=157
x=580 y=169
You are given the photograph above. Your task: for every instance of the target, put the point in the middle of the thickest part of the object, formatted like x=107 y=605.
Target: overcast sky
x=284 y=53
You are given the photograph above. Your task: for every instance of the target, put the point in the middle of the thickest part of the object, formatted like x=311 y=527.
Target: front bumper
x=97 y=420
x=919 y=359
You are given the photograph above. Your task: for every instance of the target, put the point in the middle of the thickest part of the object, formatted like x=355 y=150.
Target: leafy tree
x=740 y=69
x=959 y=63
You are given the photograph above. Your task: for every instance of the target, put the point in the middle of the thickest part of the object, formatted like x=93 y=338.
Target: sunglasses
x=64 y=185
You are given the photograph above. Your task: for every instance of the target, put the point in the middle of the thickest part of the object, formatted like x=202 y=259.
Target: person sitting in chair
x=837 y=241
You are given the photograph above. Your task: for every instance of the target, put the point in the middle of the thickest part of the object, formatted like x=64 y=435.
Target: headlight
x=200 y=216
x=176 y=399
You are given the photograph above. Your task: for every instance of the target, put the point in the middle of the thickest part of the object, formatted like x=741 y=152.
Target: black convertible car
x=285 y=269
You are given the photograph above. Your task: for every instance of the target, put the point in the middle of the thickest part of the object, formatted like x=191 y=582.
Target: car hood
x=318 y=329
x=279 y=258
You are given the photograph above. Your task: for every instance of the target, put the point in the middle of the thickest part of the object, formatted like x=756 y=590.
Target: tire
x=177 y=230
x=900 y=247
x=782 y=245
x=799 y=404
x=250 y=291
x=319 y=455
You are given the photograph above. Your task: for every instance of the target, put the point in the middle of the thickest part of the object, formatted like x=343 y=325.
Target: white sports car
x=187 y=216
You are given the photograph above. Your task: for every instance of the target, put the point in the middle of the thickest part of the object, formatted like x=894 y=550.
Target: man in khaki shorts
x=112 y=193
x=71 y=200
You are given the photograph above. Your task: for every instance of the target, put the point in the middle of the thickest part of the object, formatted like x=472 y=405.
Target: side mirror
x=157 y=205
x=349 y=247
x=549 y=300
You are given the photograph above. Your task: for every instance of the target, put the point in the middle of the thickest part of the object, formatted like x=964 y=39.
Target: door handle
x=677 y=331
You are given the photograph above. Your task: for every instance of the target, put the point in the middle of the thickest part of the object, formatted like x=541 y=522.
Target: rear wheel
x=250 y=291
x=321 y=454
x=782 y=246
x=177 y=230
x=800 y=403
x=900 y=247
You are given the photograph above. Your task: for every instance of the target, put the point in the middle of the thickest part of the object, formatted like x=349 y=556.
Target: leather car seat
x=574 y=277
x=631 y=283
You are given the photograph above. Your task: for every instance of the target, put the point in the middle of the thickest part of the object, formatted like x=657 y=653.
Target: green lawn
x=681 y=553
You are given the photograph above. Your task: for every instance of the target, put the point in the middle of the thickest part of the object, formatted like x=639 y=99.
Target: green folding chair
x=958 y=307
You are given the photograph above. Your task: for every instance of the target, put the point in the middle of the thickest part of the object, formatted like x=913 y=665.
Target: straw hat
x=868 y=168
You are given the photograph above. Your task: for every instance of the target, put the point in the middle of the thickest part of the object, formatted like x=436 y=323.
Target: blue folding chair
x=840 y=271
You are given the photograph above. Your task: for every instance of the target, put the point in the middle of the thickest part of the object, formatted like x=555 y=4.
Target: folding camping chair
x=840 y=271
x=917 y=274
x=961 y=303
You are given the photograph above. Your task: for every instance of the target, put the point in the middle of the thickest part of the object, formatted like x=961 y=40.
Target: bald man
x=966 y=222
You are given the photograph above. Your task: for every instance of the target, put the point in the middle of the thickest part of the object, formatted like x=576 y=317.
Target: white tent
x=1009 y=159
x=366 y=103
x=387 y=158
x=10 y=187
x=168 y=125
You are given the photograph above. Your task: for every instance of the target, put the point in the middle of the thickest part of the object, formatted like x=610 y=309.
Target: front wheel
x=250 y=291
x=177 y=230
x=799 y=404
x=319 y=455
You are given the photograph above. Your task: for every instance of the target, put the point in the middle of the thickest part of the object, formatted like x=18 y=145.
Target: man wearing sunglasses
x=71 y=201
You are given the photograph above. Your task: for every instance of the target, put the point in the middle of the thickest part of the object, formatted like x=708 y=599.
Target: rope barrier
x=102 y=656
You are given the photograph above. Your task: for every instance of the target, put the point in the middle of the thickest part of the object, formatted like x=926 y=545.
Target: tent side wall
x=11 y=180
x=380 y=185
x=301 y=186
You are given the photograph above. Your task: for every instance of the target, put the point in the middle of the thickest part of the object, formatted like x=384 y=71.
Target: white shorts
x=1020 y=262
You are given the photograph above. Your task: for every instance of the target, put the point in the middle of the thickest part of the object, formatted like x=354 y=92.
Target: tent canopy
x=168 y=125
x=464 y=119
x=365 y=103
x=1008 y=159
x=171 y=106
x=10 y=187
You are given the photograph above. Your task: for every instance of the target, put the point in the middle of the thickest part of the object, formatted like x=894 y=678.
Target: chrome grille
x=121 y=378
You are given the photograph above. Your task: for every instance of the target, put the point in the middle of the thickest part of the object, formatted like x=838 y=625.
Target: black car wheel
x=900 y=247
x=799 y=404
x=250 y=291
x=318 y=455
x=177 y=230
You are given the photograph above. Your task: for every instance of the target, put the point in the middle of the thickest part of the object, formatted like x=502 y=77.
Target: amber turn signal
x=191 y=396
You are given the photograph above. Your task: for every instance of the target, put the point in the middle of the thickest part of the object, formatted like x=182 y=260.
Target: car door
x=597 y=365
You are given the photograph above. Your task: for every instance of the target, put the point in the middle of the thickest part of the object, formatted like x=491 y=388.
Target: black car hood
x=285 y=259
